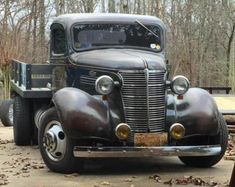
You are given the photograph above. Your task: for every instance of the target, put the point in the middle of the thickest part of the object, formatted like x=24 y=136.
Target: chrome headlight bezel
x=180 y=85
x=104 y=85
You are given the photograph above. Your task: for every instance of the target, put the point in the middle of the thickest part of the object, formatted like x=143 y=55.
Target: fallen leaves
x=157 y=178
x=230 y=152
x=38 y=166
x=170 y=182
x=2 y=147
x=105 y=183
x=128 y=180
x=15 y=154
x=186 y=180
x=25 y=165
x=3 y=179
x=25 y=175
x=191 y=180
x=5 y=141
x=71 y=175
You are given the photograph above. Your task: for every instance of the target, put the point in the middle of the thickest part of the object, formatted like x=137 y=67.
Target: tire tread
x=4 y=112
x=22 y=121
x=208 y=161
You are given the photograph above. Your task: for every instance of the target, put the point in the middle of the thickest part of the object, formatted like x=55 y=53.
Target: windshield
x=101 y=35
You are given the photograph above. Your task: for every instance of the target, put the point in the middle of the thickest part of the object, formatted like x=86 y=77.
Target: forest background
x=200 y=36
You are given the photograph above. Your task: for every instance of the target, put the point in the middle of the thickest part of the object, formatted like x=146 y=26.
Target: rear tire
x=34 y=135
x=55 y=146
x=6 y=112
x=208 y=161
x=22 y=128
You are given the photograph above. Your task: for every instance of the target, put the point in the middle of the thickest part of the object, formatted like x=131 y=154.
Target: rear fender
x=81 y=114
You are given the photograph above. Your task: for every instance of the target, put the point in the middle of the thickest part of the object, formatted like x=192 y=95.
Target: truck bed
x=32 y=80
x=226 y=103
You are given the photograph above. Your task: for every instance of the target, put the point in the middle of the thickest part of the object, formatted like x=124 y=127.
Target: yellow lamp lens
x=177 y=131
x=123 y=131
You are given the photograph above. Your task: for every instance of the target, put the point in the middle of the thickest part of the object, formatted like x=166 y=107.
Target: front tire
x=208 y=161
x=55 y=146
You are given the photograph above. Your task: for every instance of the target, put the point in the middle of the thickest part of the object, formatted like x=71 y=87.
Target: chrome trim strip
x=144 y=108
x=144 y=119
x=135 y=96
x=140 y=85
x=203 y=150
x=141 y=71
x=146 y=73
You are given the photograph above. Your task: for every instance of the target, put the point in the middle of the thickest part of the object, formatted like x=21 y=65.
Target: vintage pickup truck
x=106 y=93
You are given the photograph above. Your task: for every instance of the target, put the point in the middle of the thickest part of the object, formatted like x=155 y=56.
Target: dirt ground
x=23 y=166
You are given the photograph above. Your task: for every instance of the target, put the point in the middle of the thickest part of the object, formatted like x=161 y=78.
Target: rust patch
x=150 y=139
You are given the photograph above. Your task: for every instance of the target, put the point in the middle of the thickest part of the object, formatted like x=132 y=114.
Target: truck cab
x=106 y=93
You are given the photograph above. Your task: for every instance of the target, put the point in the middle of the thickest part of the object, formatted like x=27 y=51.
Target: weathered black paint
x=84 y=115
x=81 y=114
x=84 y=77
x=119 y=59
x=196 y=111
x=68 y=20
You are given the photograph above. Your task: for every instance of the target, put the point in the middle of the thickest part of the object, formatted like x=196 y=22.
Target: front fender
x=81 y=114
x=197 y=111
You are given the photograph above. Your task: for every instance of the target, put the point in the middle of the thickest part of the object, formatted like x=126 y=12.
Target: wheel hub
x=50 y=143
x=54 y=141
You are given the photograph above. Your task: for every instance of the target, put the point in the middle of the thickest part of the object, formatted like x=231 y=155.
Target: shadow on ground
x=132 y=166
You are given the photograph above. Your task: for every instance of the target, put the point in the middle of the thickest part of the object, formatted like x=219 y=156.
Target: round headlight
x=104 y=85
x=180 y=85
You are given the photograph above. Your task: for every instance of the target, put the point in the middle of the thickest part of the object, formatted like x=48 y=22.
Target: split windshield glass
x=89 y=36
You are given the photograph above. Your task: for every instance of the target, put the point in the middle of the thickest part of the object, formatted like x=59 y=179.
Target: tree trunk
x=158 y=11
x=112 y=6
x=60 y=7
x=228 y=54
x=42 y=31
x=103 y=6
x=138 y=7
x=28 y=35
x=35 y=19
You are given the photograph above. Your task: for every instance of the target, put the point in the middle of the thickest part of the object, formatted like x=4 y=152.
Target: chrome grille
x=143 y=95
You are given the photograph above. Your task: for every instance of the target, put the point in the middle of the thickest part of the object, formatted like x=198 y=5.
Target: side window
x=58 y=40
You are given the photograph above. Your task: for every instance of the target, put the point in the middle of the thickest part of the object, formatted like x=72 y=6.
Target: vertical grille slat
x=144 y=97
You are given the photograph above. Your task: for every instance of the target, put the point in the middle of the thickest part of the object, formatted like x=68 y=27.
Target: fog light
x=123 y=131
x=177 y=131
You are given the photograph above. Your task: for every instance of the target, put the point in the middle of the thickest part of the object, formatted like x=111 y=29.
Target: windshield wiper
x=142 y=25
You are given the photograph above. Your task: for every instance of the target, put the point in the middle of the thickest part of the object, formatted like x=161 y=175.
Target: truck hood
x=119 y=59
